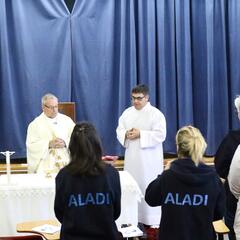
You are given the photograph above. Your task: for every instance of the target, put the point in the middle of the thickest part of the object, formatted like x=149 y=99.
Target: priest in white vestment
x=142 y=130
x=48 y=136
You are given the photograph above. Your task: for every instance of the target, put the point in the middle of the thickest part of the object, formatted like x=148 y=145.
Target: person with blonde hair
x=190 y=192
x=223 y=159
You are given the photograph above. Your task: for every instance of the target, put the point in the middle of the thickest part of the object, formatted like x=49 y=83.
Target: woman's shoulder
x=233 y=135
x=109 y=169
x=62 y=172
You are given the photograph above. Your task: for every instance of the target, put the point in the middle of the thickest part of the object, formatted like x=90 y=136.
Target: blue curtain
x=187 y=51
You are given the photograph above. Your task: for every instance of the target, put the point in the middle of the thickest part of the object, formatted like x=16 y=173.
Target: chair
x=220 y=229
x=67 y=108
x=26 y=237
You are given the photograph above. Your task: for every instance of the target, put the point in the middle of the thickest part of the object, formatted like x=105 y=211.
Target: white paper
x=47 y=228
x=130 y=231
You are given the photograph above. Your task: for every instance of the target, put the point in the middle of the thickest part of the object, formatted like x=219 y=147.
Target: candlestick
x=8 y=154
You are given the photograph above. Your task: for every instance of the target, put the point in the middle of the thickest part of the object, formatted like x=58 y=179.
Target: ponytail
x=190 y=143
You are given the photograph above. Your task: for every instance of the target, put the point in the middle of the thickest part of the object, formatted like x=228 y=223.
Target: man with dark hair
x=142 y=130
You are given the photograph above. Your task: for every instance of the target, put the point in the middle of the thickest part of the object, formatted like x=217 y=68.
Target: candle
x=8 y=154
x=8 y=165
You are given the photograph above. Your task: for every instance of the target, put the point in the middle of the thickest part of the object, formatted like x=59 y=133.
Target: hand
x=133 y=133
x=57 y=143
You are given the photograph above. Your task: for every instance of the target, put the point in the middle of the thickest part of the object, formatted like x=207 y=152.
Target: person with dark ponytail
x=191 y=193
x=88 y=191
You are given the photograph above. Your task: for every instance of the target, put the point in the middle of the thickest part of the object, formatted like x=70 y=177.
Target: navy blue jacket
x=191 y=198
x=225 y=152
x=87 y=206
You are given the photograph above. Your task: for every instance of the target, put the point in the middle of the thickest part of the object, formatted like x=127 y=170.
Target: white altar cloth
x=30 y=197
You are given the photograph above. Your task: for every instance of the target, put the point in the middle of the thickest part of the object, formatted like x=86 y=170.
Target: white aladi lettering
x=186 y=199
x=79 y=200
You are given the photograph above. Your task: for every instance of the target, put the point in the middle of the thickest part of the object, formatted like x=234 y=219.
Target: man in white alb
x=48 y=136
x=142 y=130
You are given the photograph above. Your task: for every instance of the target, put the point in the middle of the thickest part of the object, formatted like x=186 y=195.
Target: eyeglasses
x=137 y=98
x=51 y=107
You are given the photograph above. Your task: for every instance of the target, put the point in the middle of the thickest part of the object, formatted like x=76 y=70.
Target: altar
x=30 y=197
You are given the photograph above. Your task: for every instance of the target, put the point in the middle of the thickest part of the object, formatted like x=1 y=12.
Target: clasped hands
x=57 y=143
x=133 y=133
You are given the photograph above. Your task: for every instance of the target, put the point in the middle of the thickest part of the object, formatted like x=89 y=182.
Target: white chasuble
x=144 y=156
x=40 y=131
